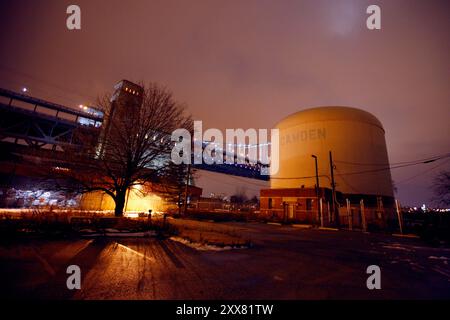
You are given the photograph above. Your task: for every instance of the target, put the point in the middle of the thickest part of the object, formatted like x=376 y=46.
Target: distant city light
x=131 y=215
x=24 y=89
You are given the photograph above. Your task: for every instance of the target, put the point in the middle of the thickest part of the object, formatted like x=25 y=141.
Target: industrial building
x=331 y=146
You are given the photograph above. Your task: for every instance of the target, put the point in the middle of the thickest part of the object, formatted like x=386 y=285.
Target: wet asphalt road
x=284 y=263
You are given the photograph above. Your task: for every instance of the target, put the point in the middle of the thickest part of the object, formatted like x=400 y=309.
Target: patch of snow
x=438 y=258
x=431 y=248
x=397 y=247
x=415 y=266
x=87 y=231
x=203 y=246
x=92 y=235
x=122 y=234
x=442 y=272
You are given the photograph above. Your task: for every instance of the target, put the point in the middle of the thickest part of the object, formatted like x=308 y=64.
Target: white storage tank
x=356 y=140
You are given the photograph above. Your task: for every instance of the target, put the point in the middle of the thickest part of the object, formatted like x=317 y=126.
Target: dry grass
x=64 y=223
x=208 y=233
x=72 y=222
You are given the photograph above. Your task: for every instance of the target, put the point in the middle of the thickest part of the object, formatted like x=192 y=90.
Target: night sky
x=250 y=63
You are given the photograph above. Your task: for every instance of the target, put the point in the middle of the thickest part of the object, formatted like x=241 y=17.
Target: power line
x=48 y=93
x=250 y=182
x=347 y=183
x=432 y=158
x=424 y=161
x=40 y=80
x=394 y=167
x=304 y=177
x=423 y=172
x=231 y=184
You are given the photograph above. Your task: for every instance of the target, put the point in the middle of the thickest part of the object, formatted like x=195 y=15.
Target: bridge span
x=29 y=122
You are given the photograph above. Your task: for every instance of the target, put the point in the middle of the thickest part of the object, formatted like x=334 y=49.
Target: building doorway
x=288 y=210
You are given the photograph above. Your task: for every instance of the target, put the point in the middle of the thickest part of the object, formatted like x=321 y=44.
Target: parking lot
x=283 y=263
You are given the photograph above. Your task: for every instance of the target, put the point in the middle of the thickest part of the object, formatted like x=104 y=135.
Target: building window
x=270 y=203
x=309 y=204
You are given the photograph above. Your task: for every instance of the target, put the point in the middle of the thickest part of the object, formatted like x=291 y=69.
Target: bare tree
x=441 y=188
x=239 y=197
x=134 y=147
x=173 y=184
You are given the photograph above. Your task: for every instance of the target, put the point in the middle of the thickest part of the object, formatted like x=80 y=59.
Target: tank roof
x=329 y=113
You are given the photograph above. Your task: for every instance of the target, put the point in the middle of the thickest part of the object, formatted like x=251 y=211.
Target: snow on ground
x=398 y=247
x=203 y=246
x=119 y=234
x=438 y=258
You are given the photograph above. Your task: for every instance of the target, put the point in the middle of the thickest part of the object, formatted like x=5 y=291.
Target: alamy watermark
x=374 y=280
x=73 y=21
x=373 y=22
x=241 y=147
x=74 y=279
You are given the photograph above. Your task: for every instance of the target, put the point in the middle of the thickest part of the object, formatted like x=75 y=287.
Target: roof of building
x=329 y=113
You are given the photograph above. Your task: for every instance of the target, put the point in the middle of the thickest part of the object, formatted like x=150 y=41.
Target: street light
x=317 y=188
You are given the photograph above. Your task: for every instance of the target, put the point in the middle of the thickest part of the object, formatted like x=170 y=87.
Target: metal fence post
x=321 y=210
x=363 y=215
x=349 y=215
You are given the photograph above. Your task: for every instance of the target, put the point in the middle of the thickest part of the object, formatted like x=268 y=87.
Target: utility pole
x=317 y=187
x=186 y=188
x=399 y=215
x=333 y=195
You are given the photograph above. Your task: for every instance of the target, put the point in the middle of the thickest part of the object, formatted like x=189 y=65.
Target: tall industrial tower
x=126 y=101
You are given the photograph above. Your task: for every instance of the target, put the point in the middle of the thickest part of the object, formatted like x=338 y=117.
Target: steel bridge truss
x=40 y=124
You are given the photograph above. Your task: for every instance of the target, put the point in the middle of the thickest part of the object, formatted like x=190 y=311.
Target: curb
x=302 y=226
x=411 y=236
x=328 y=229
